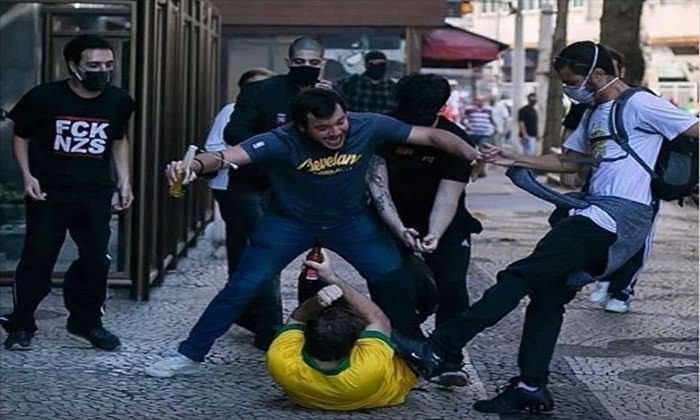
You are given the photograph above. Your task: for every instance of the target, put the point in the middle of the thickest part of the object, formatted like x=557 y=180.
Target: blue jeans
x=362 y=240
x=528 y=143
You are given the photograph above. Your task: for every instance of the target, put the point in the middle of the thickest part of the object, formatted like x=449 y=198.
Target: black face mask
x=95 y=81
x=377 y=71
x=303 y=75
x=425 y=119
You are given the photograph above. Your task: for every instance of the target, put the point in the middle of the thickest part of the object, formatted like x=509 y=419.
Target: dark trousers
x=362 y=240
x=85 y=282
x=242 y=209
x=449 y=264
x=573 y=244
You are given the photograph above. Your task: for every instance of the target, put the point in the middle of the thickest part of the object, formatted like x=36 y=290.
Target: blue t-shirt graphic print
x=316 y=185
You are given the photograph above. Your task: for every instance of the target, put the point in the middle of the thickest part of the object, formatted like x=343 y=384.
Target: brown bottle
x=308 y=277
x=308 y=273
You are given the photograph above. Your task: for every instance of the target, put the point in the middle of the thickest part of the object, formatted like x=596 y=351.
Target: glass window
x=531 y=4
x=575 y=3
x=89 y=22
x=488 y=6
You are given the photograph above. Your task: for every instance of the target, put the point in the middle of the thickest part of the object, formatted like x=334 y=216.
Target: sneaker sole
x=84 y=340
x=163 y=375
x=18 y=347
x=613 y=311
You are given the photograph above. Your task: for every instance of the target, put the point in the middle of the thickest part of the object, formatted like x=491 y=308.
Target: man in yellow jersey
x=337 y=354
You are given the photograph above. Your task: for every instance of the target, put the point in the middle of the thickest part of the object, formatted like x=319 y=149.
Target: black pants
x=242 y=208
x=450 y=263
x=573 y=244
x=85 y=282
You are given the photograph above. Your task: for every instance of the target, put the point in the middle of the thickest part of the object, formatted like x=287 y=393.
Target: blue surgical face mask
x=580 y=94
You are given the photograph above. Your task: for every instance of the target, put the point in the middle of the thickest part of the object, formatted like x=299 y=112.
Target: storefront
x=167 y=57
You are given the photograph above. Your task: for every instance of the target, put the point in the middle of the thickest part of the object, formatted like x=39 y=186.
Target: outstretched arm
x=443 y=140
x=548 y=163
x=207 y=163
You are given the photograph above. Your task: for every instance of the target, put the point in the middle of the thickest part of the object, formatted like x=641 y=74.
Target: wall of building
x=332 y=12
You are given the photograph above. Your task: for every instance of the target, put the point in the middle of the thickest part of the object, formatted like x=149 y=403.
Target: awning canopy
x=453 y=47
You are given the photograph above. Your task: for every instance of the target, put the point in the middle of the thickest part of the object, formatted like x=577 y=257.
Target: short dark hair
x=304 y=44
x=617 y=57
x=249 y=74
x=319 y=102
x=422 y=93
x=73 y=50
x=579 y=55
x=332 y=334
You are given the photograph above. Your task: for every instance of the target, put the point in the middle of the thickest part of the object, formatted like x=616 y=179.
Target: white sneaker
x=617 y=306
x=172 y=366
x=600 y=292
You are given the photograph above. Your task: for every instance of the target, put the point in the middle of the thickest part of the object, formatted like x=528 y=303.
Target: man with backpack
x=607 y=226
x=615 y=292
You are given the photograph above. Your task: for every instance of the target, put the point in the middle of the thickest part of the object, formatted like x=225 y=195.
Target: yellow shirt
x=370 y=377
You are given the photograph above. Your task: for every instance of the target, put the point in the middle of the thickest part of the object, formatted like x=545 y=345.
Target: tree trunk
x=619 y=29
x=555 y=107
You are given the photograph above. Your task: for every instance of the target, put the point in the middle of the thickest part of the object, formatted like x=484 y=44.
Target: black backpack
x=675 y=175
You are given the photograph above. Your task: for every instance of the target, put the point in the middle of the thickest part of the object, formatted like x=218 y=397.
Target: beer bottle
x=309 y=283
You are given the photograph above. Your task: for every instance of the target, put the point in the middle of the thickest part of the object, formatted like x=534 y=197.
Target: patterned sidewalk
x=643 y=365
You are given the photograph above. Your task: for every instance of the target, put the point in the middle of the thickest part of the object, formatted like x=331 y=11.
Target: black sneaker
x=19 y=340
x=513 y=399
x=100 y=338
x=421 y=356
x=453 y=374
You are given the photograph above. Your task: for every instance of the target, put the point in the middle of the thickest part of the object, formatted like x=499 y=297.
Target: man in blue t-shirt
x=317 y=168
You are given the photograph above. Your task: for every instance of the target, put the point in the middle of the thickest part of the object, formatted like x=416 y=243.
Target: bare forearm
x=20 y=150
x=306 y=310
x=120 y=155
x=452 y=144
x=359 y=302
x=445 y=206
x=378 y=184
x=547 y=163
x=210 y=162
x=522 y=128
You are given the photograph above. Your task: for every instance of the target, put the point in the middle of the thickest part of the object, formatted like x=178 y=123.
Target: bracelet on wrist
x=201 y=167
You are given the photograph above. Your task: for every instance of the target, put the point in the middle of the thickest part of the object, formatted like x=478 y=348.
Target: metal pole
x=543 y=62
x=518 y=71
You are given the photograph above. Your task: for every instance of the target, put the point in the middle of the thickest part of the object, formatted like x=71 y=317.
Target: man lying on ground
x=335 y=353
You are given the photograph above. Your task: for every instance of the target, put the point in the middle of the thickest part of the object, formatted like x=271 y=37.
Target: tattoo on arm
x=378 y=183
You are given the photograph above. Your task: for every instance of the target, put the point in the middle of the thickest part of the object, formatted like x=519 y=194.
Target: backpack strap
x=617 y=127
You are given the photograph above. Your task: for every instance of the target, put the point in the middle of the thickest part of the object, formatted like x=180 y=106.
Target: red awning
x=452 y=47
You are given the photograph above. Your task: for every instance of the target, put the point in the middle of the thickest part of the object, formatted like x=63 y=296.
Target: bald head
x=305 y=44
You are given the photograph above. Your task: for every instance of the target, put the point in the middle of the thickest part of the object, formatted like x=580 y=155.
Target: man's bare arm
x=443 y=140
x=443 y=211
x=378 y=184
x=555 y=163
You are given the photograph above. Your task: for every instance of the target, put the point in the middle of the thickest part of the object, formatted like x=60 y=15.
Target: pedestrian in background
x=527 y=125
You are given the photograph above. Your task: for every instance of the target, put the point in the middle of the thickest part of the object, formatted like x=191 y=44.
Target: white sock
x=528 y=388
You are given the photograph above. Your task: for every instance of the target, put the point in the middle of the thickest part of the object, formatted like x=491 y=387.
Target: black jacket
x=260 y=107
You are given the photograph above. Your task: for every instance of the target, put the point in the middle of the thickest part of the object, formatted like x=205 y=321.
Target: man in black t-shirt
x=426 y=185
x=527 y=124
x=68 y=136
